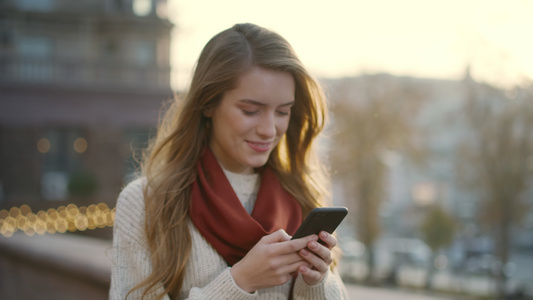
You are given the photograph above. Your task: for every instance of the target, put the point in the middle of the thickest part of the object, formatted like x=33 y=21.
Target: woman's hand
x=271 y=262
x=319 y=258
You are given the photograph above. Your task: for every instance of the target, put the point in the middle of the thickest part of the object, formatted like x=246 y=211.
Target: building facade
x=82 y=84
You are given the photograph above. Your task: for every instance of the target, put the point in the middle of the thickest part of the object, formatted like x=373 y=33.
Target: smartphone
x=321 y=219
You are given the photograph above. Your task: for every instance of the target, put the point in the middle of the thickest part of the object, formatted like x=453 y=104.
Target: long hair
x=170 y=163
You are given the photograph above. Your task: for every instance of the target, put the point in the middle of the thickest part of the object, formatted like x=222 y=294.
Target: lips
x=259 y=147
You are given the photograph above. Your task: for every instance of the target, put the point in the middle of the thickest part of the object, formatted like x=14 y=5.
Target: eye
x=284 y=110
x=249 y=112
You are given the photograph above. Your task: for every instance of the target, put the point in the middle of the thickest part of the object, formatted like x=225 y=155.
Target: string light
x=80 y=145
x=69 y=218
x=43 y=145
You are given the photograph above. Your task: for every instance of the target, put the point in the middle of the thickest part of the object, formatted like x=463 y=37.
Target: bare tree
x=494 y=160
x=371 y=115
x=438 y=229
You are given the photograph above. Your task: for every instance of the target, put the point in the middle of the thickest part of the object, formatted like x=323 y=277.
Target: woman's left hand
x=319 y=257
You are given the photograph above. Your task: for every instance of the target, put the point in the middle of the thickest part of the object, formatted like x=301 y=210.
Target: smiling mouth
x=260 y=147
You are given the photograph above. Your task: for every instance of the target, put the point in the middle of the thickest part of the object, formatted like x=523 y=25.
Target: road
x=357 y=292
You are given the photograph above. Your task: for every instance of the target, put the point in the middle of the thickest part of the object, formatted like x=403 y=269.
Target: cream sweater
x=207 y=274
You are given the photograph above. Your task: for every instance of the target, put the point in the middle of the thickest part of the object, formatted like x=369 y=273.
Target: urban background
x=437 y=173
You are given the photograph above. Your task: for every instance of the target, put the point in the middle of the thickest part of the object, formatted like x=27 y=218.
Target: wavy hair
x=170 y=162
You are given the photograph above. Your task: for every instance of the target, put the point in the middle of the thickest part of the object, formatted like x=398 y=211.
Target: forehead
x=260 y=84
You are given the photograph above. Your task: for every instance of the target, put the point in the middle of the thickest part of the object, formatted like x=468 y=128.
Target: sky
x=338 y=38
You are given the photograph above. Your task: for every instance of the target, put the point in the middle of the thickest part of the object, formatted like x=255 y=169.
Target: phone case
x=321 y=219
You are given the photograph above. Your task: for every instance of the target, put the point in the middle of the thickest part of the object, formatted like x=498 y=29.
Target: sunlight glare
x=435 y=39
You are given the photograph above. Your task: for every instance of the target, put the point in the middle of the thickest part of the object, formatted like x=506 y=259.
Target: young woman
x=229 y=177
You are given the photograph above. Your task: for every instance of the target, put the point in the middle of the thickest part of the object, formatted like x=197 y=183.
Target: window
x=62 y=150
x=142 y=8
x=40 y=5
x=34 y=46
x=35 y=52
x=110 y=49
x=143 y=53
x=161 y=9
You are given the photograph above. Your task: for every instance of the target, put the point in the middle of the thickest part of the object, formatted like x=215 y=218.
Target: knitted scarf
x=220 y=217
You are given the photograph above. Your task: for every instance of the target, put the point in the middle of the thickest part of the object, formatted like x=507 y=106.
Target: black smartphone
x=321 y=219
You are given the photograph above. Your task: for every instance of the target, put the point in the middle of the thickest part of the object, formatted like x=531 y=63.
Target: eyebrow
x=254 y=102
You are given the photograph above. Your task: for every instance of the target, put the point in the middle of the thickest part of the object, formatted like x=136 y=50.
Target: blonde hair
x=170 y=162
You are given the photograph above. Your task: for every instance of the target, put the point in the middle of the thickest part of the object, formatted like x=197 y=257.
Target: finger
x=328 y=240
x=286 y=250
x=285 y=263
x=296 y=245
x=275 y=237
x=321 y=251
x=294 y=266
x=318 y=256
x=310 y=276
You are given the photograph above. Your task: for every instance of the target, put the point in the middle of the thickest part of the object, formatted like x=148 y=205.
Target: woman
x=230 y=175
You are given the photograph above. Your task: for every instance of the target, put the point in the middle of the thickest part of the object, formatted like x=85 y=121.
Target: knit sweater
x=207 y=276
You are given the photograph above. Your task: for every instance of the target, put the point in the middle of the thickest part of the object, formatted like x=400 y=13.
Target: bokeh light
x=80 y=145
x=43 y=145
x=69 y=218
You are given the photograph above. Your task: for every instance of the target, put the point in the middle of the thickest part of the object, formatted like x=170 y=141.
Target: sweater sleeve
x=223 y=288
x=132 y=258
x=331 y=288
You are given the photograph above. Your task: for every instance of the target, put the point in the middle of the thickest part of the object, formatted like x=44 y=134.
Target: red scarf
x=222 y=220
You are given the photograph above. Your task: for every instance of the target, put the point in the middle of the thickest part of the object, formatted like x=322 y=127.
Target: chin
x=258 y=163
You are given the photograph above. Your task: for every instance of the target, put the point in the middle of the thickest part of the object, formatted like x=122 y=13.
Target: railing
x=55 y=5
x=40 y=260
x=64 y=218
x=82 y=73
x=54 y=266
x=86 y=6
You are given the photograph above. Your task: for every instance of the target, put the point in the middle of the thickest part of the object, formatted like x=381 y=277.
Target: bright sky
x=337 y=38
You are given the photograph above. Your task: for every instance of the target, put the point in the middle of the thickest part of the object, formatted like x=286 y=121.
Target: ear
x=208 y=111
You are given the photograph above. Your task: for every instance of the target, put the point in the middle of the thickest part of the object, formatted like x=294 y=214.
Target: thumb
x=276 y=236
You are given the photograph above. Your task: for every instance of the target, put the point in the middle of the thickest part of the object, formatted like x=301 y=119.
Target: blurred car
x=391 y=252
x=352 y=264
x=351 y=248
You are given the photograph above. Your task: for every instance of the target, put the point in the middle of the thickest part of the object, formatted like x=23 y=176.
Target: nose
x=267 y=126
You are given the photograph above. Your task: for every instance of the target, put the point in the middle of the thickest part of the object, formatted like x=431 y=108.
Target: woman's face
x=250 y=120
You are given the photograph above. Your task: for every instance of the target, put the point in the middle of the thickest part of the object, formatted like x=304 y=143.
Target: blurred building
x=410 y=188
x=81 y=86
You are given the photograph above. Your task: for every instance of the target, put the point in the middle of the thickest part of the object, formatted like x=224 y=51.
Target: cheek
x=227 y=120
x=236 y=124
x=282 y=126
